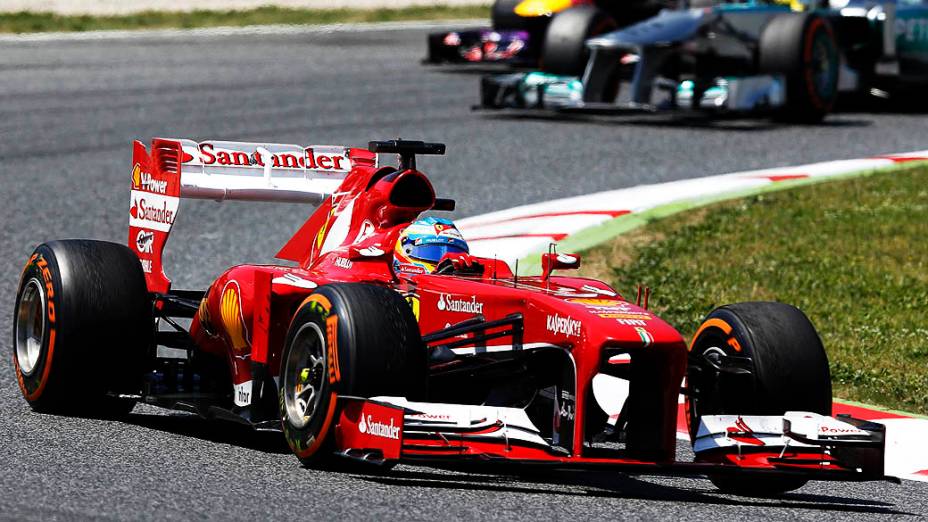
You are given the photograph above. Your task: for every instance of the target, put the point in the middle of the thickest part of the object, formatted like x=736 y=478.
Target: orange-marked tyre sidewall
x=715 y=327
x=42 y=268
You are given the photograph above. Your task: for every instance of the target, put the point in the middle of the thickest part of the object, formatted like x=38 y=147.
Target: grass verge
x=851 y=254
x=32 y=22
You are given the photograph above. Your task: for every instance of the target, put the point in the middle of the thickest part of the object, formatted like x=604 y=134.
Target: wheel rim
x=30 y=326
x=712 y=398
x=709 y=396
x=304 y=375
x=823 y=66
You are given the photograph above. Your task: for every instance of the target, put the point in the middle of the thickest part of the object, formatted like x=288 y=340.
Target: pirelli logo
x=331 y=334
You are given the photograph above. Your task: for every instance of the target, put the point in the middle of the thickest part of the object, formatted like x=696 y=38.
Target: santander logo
x=152 y=211
x=375 y=428
x=447 y=303
x=211 y=154
x=144 y=211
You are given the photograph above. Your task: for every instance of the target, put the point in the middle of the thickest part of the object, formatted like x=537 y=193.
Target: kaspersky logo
x=563 y=325
x=376 y=428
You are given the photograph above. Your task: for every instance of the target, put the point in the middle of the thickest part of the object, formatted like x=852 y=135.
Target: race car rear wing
x=221 y=170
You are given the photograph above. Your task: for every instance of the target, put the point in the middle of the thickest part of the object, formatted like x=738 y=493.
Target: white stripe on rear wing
x=261 y=171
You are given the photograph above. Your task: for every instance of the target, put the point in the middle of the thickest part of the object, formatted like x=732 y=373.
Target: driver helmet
x=424 y=242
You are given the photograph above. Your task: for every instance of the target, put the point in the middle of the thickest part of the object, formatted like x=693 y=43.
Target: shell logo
x=414 y=304
x=230 y=310
x=320 y=237
x=137 y=176
x=203 y=311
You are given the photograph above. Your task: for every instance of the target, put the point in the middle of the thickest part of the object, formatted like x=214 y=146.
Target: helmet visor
x=434 y=252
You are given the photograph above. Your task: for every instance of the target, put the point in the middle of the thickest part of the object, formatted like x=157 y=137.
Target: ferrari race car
x=523 y=29
x=739 y=57
x=356 y=357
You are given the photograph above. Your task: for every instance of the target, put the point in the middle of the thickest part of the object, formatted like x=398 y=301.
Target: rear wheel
x=802 y=48
x=82 y=328
x=757 y=358
x=355 y=340
x=564 y=50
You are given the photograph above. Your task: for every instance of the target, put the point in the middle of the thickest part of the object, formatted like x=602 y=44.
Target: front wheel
x=758 y=358
x=564 y=50
x=801 y=47
x=346 y=339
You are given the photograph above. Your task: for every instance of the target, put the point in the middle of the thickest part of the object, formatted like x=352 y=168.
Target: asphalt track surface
x=68 y=111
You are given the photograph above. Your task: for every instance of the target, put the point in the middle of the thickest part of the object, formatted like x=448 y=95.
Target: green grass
x=31 y=22
x=852 y=254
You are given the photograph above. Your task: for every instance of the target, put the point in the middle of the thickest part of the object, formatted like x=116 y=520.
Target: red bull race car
x=383 y=340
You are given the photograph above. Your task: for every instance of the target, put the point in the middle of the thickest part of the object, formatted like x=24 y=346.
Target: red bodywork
x=244 y=317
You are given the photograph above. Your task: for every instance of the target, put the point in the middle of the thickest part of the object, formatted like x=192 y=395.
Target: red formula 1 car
x=356 y=359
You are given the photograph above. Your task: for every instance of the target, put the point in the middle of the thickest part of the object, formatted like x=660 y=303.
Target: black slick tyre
x=503 y=15
x=802 y=48
x=82 y=328
x=757 y=358
x=564 y=50
x=346 y=339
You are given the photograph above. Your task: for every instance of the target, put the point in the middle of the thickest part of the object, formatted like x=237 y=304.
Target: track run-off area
x=70 y=110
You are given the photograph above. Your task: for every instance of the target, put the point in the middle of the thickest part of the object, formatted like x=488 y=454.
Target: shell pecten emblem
x=414 y=304
x=230 y=310
x=204 y=317
x=136 y=176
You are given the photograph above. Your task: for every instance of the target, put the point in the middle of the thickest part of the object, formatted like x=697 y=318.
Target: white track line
x=250 y=30
x=514 y=233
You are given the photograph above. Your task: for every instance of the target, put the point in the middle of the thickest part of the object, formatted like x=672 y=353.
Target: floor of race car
x=70 y=111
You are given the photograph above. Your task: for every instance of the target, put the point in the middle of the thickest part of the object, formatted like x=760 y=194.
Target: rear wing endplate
x=221 y=170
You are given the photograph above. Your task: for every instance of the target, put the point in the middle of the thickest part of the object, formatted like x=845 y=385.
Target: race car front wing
x=482 y=46
x=722 y=95
x=381 y=430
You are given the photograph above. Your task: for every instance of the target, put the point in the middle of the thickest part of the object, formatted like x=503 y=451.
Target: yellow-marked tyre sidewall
x=372 y=348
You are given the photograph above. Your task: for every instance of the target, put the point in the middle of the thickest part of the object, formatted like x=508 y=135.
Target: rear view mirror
x=554 y=261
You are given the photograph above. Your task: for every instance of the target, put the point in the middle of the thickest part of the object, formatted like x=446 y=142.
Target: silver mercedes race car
x=788 y=60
